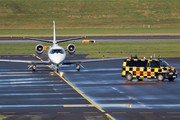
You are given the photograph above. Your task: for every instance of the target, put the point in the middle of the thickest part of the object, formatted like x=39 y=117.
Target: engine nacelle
x=39 y=49
x=71 y=48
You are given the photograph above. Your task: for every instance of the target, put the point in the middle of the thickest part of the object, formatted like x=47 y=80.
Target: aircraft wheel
x=77 y=67
x=34 y=67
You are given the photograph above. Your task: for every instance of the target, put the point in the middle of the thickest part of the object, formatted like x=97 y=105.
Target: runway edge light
x=88 y=41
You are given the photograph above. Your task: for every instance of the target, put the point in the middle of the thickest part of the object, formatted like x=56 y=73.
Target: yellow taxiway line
x=107 y=114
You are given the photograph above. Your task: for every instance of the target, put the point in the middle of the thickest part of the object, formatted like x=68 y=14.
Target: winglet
x=54 y=37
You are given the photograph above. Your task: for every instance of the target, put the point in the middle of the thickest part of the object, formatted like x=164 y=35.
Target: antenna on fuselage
x=54 y=37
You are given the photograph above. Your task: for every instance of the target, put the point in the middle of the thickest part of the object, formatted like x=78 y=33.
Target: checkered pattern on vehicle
x=144 y=72
x=141 y=72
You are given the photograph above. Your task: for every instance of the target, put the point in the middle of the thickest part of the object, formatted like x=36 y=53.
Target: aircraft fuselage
x=56 y=54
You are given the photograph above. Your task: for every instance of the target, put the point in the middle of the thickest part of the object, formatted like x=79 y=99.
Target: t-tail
x=54 y=37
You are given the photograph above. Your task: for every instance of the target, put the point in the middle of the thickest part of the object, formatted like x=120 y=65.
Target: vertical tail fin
x=54 y=37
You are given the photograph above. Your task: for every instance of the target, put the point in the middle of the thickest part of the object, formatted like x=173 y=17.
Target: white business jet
x=56 y=54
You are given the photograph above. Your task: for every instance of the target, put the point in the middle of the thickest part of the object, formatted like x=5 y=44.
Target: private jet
x=56 y=54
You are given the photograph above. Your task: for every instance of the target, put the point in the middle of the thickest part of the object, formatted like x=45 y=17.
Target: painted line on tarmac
x=25 y=56
x=119 y=112
x=110 y=116
x=48 y=105
x=173 y=112
x=9 y=112
x=78 y=91
x=35 y=112
x=63 y=112
x=91 y=112
x=145 y=112
x=78 y=105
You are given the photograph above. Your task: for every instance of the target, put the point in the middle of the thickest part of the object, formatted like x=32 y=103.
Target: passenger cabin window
x=57 y=51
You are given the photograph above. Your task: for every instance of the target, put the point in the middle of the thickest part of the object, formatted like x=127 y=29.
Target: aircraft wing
x=67 y=62
x=58 y=41
x=27 y=61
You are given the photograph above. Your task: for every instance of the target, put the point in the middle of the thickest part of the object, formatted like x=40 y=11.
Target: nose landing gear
x=57 y=68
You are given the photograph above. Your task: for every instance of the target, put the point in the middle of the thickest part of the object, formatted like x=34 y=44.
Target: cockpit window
x=57 y=51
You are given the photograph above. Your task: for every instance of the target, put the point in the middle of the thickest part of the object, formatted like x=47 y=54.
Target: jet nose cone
x=57 y=61
x=57 y=58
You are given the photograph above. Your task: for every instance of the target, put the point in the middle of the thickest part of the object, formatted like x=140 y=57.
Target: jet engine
x=71 y=48
x=39 y=49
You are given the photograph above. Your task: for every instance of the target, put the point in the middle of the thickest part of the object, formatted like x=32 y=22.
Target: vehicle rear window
x=129 y=63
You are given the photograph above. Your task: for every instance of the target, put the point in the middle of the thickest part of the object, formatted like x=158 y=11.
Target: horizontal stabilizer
x=37 y=39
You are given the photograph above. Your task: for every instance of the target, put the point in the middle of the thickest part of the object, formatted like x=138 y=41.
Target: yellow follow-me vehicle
x=134 y=67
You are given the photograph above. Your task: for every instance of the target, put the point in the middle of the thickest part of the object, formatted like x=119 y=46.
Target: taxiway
x=96 y=92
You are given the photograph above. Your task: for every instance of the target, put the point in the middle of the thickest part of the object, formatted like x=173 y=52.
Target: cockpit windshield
x=162 y=63
x=57 y=51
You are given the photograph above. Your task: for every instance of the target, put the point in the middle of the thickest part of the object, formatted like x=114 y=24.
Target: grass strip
x=141 y=55
x=167 y=48
x=89 y=32
x=68 y=14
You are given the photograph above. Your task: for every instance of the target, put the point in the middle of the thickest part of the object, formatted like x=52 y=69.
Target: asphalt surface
x=44 y=95
x=97 y=38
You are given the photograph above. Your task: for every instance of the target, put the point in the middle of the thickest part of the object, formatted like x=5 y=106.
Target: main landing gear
x=77 y=67
x=34 y=67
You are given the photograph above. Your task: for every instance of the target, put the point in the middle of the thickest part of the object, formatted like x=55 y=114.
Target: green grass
x=168 y=48
x=89 y=32
x=93 y=16
x=141 y=55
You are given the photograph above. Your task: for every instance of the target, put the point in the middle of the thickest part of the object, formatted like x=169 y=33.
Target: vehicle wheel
x=129 y=77
x=171 y=79
x=160 y=77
